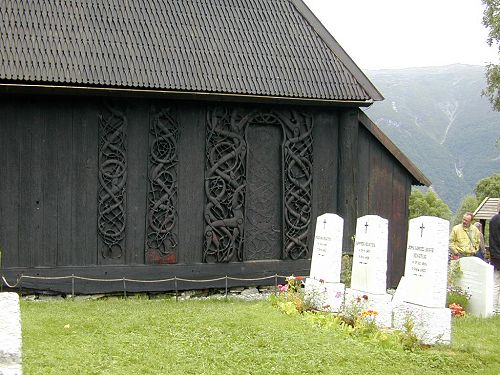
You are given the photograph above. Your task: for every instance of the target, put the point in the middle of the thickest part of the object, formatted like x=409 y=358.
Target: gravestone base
x=432 y=325
x=324 y=296
x=10 y=334
x=381 y=303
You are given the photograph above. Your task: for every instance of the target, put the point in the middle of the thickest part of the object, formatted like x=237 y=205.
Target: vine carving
x=112 y=182
x=225 y=182
x=162 y=240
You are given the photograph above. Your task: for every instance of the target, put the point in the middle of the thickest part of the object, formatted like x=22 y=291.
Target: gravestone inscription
x=427 y=261
x=323 y=288
x=369 y=268
x=327 y=249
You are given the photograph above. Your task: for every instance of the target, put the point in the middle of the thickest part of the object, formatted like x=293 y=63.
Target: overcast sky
x=386 y=34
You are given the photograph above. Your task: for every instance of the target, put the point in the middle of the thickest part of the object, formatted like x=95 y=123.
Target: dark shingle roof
x=249 y=47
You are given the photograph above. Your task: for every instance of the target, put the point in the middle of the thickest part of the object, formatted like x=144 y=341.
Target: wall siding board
x=9 y=183
x=48 y=245
x=191 y=185
x=347 y=177
x=363 y=188
x=88 y=111
x=325 y=165
x=401 y=187
x=137 y=181
x=63 y=117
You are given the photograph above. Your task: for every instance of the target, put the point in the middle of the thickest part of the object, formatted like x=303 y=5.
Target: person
x=495 y=256
x=464 y=238
x=481 y=252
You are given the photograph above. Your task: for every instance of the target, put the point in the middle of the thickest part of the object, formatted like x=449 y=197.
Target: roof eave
x=23 y=88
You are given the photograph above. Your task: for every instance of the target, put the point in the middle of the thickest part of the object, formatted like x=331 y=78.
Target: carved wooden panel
x=161 y=231
x=226 y=184
x=111 y=218
x=263 y=208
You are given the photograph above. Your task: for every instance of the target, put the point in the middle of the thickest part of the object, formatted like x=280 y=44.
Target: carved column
x=112 y=182
x=161 y=230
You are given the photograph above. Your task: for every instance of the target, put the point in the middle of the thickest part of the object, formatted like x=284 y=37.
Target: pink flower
x=283 y=288
x=338 y=295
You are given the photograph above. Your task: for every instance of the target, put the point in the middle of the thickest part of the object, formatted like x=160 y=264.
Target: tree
x=428 y=204
x=491 y=19
x=468 y=204
x=488 y=187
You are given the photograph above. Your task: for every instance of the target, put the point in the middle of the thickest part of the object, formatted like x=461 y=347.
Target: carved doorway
x=263 y=211
x=243 y=186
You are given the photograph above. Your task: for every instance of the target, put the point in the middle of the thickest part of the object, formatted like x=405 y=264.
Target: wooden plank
x=191 y=182
x=363 y=188
x=348 y=176
x=84 y=177
x=36 y=168
x=325 y=163
x=62 y=116
x=90 y=138
x=137 y=187
x=398 y=225
x=48 y=250
x=9 y=182
x=198 y=271
x=325 y=166
x=25 y=123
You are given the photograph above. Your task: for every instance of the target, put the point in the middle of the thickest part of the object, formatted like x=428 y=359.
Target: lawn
x=162 y=336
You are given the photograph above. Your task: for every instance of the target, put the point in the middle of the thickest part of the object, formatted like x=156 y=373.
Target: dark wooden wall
x=48 y=189
x=384 y=188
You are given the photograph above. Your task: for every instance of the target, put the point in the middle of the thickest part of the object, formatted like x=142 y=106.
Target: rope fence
x=124 y=280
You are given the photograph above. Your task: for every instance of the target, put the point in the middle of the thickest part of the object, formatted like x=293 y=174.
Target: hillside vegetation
x=439 y=119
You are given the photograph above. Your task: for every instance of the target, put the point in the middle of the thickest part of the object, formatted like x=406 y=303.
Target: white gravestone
x=477 y=280
x=369 y=269
x=327 y=249
x=421 y=296
x=10 y=334
x=426 y=268
x=369 y=263
x=323 y=288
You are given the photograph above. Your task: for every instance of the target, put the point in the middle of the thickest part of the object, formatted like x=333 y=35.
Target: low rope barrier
x=124 y=280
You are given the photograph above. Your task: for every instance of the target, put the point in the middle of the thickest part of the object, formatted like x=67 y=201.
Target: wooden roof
x=418 y=177
x=487 y=209
x=264 y=48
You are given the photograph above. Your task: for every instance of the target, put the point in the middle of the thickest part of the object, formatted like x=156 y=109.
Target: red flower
x=299 y=278
x=326 y=306
x=455 y=257
x=321 y=281
x=358 y=299
x=365 y=297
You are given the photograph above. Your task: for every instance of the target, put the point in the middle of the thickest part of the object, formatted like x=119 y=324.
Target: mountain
x=439 y=119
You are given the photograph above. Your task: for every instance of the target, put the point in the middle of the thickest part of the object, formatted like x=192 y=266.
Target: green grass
x=141 y=336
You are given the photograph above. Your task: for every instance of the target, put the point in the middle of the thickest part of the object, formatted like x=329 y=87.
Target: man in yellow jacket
x=465 y=238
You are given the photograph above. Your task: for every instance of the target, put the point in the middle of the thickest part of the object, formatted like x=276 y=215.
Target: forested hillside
x=439 y=119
